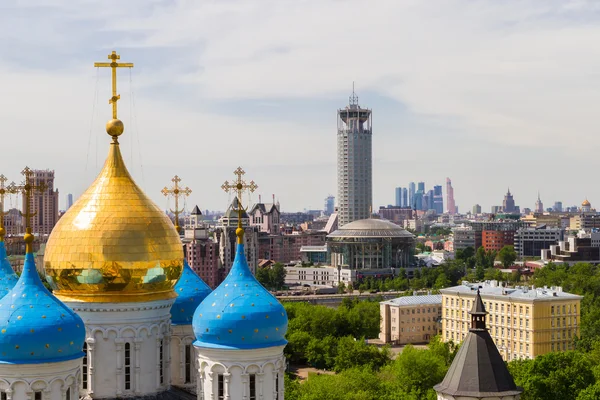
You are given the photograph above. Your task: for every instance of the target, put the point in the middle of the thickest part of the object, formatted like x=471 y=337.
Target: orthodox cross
x=239 y=186
x=176 y=191
x=3 y=192
x=114 y=65
x=27 y=188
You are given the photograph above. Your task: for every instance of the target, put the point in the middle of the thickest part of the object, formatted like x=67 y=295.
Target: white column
x=136 y=354
x=182 y=361
x=119 y=359
x=226 y=377
x=275 y=388
x=91 y=345
x=244 y=386
x=9 y=394
x=167 y=353
x=261 y=379
x=159 y=365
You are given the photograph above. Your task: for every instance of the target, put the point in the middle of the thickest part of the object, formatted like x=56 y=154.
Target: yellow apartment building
x=523 y=321
x=410 y=319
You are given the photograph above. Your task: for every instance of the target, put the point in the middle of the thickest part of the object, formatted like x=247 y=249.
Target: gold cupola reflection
x=114 y=244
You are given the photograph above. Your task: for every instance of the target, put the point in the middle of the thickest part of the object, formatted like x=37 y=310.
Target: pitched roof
x=478 y=369
x=196 y=211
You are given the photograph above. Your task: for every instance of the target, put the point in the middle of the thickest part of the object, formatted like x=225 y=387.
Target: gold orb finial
x=2 y=232
x=115 y=128
x=28 y=238
x=239 y=232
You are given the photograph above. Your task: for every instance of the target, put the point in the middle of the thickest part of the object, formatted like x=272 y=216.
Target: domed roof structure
x=35 y=327
x=240 y=313
x=191 y=290
x=371 y=228
x=586 y=203
x=114 y=244
x=8 y=278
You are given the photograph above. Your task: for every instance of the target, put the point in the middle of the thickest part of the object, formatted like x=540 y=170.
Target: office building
x=411 y=195
x=463 y=236
x=44 y=204
x=450 y=204
x=571 y=251
x=354 y=162
x=405 y=202
x=494 y=241
x=585 y=221
x=529 y=242
x=69 y=200
x=524 y=322
x=410 y=319
x=438 y=200
x=396 y=214
x=329 y=205
x=476 y=209
x=398 y=193
x=558 y=206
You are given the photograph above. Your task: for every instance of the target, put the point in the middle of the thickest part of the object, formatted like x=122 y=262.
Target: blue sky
x=491 y=94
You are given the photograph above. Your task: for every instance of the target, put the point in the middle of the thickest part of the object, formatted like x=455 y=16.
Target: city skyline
x=205 y=90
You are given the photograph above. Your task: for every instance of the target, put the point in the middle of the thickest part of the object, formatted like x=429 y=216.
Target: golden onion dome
x=585 y=203
x=114 y=244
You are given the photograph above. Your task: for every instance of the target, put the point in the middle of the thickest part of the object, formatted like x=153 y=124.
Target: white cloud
x=511 y=80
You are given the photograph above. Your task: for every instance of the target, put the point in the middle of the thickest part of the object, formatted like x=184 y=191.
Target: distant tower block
x=355 y=164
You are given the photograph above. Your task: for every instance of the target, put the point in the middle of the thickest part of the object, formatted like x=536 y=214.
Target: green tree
x=353 y=352
x=441 y=282
x=507 y=256
x=277 y=276
x=263 y=277
x=560 y=375
x=321 y=353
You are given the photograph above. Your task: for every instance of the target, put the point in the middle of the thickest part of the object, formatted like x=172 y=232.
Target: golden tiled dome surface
x=114 y=244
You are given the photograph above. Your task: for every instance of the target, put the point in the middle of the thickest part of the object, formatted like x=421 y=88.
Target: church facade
x=127 y=317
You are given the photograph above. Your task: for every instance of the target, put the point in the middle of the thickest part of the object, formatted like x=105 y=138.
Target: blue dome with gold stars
x=240 y=313
x=36 y=327
x=191 y=290
x=8 y=278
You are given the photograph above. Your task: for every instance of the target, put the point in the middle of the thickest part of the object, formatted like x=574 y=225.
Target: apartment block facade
x=524 y=322
x=410 y=319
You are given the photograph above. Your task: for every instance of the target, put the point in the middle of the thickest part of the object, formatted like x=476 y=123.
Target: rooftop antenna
x=354 y=98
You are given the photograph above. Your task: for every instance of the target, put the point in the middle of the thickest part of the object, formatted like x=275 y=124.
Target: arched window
x=84 y=367
x=188 y=363
x=220 y=387
x=252 y=387
x=161 y=361
x=127 y=366
x=37 y=395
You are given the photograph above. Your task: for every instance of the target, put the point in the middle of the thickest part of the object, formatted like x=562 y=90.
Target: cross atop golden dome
x=114 y=244
x=115 y=126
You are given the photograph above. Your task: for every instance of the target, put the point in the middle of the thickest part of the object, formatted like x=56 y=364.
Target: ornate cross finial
x=114 y=127
x=27 y=188
x=4 y=190
x=176 y=191
x=239 y=186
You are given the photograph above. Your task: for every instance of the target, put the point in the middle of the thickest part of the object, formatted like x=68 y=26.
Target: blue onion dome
x=36 y=327
x=8 y=278
x=240 y=313
x=191 y=290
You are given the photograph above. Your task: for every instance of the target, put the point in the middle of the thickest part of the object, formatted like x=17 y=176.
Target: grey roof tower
x=478 y=371
x=354 y=162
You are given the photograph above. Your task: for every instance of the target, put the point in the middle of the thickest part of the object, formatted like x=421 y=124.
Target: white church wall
x=51 y=380
x=183 y=374
x=123 y=347
x=237 y=368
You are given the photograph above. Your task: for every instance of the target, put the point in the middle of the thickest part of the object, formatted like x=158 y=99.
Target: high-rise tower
x=450 y=197
x=354 y=160
x=43 y=204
